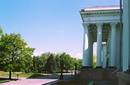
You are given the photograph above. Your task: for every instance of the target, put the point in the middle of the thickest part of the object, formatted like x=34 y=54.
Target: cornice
x=100 y=13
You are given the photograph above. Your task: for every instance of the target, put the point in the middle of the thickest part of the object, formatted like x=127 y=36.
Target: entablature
x=100 y=13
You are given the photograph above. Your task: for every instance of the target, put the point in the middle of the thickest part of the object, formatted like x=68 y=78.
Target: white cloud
x=61 y=31
x=38 y=53
x=79 y=55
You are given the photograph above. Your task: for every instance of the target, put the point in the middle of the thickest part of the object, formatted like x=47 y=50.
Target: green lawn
x=2 y=81
x=31 y=75
x=28 y=75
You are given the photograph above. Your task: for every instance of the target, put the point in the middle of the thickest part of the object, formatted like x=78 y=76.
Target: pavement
x=36 y=81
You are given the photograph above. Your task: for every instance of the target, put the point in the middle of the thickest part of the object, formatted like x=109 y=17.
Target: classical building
x=103 y=25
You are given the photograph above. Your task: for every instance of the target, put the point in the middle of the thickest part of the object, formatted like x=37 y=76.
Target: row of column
x=88 y=46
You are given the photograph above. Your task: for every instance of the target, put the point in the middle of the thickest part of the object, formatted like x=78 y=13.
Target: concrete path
x=36 y=81
x=30 y=82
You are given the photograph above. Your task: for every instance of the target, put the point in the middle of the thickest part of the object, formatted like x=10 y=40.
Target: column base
x=98 y=67
x=128 y=71
x=86 y=67
x=112 y=67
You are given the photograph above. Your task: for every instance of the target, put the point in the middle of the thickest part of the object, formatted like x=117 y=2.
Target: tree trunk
x=61 y=76
x=10 y=75
x=75 y=68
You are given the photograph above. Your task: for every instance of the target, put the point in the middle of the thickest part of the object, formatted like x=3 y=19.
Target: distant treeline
x=50 y=62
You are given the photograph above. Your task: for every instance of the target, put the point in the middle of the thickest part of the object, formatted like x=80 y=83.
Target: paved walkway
x=36 y=81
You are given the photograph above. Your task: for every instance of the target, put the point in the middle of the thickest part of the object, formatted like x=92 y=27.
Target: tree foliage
x=51 y=62
x=15 y=55
x=51 y=65
x=94 y=61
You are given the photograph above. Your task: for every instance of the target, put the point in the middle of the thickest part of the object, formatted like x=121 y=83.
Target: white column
x=118 y=46
x=91 y=49
x=104 y=56
x=113 y=45
x=107 y=54
x=87 y=59
x=108 y=49
x=99 y=43
x=126 y=34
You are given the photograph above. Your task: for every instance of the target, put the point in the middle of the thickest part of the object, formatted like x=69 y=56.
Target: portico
x=101 y=24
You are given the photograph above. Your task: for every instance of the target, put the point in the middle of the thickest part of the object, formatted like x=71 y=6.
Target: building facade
x=103 y=25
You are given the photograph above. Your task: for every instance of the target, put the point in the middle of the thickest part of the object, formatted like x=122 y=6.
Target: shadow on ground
x=2 y=80
x=48 y=76
x=37 y=76
x=68 y=80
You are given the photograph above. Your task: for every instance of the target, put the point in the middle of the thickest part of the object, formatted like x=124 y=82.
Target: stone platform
x=106 y=82
x=98 y=74
x=123 y=78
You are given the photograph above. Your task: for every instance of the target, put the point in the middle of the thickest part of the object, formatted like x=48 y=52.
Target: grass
x=30 y=75
x=2 y=81
x=27 y=75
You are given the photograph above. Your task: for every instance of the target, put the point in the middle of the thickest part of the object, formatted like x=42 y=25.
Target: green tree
x=1 y=31
x=14 y=53
x=51 y=62
x=39 y=62
x=50 y=66
x=94 y=61
x=28 y=60
x=79 y=61
x=43 y=60
x=67 y=61
x=57 y=58
x=1 y=60
x=35 y=64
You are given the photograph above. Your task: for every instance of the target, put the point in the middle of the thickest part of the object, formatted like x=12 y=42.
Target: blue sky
x=48 y=25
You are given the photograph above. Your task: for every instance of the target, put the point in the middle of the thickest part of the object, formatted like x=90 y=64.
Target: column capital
x=113 y=25
x=99 y=24
x=85 y=25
